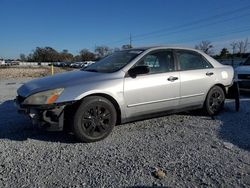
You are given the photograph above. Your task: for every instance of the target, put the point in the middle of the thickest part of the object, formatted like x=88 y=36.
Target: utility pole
x=130 y=40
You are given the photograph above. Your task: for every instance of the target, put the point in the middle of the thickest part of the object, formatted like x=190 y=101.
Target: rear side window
x=191 y=61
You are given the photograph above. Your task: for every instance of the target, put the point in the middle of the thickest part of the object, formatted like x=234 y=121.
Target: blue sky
x=78 y=24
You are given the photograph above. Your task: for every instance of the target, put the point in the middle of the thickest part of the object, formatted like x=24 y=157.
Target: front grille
x=244 y=76
x=244 y=84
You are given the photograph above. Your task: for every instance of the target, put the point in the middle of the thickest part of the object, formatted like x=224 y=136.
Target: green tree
x=77 y=58
x=23 y=57
x=66 y=56
x=224 y=53
x=46 y=54
x=86 y=55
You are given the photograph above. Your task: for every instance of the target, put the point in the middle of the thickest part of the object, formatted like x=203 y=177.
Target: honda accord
x=125 y=86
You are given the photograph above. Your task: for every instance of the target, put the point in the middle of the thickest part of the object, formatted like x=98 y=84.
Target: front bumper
x=50 y=117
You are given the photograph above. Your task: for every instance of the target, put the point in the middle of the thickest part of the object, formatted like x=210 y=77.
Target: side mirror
x=138 y=70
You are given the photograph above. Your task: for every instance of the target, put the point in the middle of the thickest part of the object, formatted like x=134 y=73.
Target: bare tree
x=243 y=46
x=205 y=46
x=246 y=45
x=234 y=46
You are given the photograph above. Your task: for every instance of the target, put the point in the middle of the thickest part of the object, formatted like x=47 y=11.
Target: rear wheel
x=214 y=101
x=94 y=119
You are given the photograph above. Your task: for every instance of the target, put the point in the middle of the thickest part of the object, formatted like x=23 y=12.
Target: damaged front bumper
x=50 y=117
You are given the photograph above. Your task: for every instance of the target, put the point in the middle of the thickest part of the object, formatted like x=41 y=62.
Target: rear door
x=156 y=91
x=197 y=76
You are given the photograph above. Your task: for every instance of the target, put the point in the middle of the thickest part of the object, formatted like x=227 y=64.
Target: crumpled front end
x=50 y=117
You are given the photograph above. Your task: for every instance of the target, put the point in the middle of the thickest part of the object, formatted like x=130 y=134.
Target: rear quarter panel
x=224 y=75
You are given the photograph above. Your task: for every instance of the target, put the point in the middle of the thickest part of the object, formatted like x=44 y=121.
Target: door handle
x=172 y=78
x=209 y=73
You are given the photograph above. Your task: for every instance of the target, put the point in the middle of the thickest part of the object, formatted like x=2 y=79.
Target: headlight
x=45 y=97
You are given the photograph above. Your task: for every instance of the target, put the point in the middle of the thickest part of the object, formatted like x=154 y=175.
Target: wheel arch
x=218 y=84
x=71 y=109
x=221 y=86
x=112 y=100
x=208 y=111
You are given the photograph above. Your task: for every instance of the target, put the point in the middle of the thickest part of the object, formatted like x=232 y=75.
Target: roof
x=162 y=47
x=173 y=47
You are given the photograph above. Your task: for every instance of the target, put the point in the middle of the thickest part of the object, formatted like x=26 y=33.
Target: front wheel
x=94 y=119
x=214 y=101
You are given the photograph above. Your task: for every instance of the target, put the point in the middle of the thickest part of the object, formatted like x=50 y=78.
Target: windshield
x=114 y=62
x=247 y=62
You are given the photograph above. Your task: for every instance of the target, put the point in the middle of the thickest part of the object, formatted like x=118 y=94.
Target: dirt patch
x=29 y=72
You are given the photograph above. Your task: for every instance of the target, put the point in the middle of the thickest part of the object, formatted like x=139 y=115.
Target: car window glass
x=158 y=62
x=192 y=61
x=114 y=62
x=151 y=61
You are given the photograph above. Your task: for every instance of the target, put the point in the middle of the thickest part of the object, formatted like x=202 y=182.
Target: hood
x=61 y=80
x=243 y=69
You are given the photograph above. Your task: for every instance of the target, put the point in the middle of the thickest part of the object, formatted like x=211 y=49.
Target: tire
x=94 y=119
x=214 y=101
x=234 y=93
x=237 y=97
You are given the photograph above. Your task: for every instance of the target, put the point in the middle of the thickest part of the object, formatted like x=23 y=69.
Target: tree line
x=49 y=54
x=238 y=49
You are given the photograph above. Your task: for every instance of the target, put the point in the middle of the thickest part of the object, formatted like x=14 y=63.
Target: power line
x=195 y=22
x=130 y=40
x=119 y=41
x=215 y=35
x=187 y=25
x=192 y=28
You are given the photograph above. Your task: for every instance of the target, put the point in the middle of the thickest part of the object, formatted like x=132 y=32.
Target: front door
x=155 y=91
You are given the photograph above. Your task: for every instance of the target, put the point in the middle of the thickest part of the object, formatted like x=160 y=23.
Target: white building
x=2 y=62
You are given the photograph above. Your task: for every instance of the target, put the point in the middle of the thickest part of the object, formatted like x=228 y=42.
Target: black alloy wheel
x=214 y=101
x=94 y=119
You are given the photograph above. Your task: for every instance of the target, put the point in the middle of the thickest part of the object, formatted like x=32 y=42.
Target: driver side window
x=158 y=62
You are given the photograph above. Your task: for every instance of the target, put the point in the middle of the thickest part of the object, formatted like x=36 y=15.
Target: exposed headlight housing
x=45 y=97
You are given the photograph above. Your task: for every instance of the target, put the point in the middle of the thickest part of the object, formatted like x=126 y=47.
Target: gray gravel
x=191 y=149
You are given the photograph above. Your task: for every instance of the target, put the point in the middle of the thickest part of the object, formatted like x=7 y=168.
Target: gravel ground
x=192 y=151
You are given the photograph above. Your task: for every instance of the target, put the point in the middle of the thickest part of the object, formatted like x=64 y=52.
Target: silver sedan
x=126 y=86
